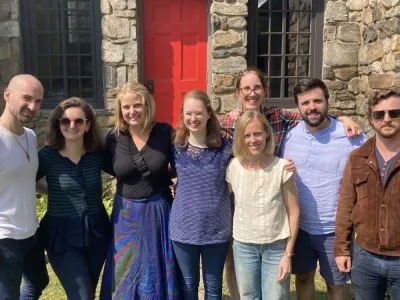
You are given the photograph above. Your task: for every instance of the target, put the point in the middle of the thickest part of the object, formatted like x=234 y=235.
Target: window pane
x=290 y=66
x=305 y=22
x=276 y=44
x=293 y=4
x=86 y=66
x=276 y=65
x=72 y=66
x=276 y=4
x=54 y=21
x=303 y=66
x=263 y=22
x=85 y=43
x=71 y=42
x=87 y=88
x=57 y=66
x=275 y=88
x=43 y=64
x=263 y=44
x=276 y=22
x=262 y=64
x=48 y=43
x=46 y=86
x=304 y=44
x=305 y=4
x=41 y=20
x=46 y=4
x=73 y=87
x=57 y=91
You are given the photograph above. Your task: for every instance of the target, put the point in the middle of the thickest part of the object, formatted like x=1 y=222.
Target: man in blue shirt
x=319 y=148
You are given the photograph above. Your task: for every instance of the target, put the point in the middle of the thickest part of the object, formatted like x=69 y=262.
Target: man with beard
x=319 y=148
x=369 y=201
x=20 y=254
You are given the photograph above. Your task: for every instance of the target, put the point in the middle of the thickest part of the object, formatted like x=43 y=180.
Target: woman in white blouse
x=266 y=215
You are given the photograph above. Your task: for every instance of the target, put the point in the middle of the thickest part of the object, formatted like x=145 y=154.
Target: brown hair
x=377 y=96
x=91 y=138
x=255 y=71
x=240 y=149
x=213 y=138
x=309 y=84
x=147 y=101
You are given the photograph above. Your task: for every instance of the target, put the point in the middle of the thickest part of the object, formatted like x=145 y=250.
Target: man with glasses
x=20 y=254
x=370 y=201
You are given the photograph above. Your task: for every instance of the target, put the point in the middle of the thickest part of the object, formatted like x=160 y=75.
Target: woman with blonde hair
x=75 y=230
x=201 y=219
x=140 y=262
x=266 y=217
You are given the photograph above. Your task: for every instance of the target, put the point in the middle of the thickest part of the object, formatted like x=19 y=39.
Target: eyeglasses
x=65 y=122
x=258 y=90
x=379 y=115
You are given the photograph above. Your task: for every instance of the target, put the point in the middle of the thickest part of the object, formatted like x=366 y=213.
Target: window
x=285 y=42
x=62 y=47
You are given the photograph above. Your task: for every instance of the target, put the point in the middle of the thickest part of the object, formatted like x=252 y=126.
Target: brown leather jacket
x=373 y=209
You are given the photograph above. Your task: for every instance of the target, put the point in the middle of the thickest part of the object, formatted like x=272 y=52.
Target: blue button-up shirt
x=320 y=160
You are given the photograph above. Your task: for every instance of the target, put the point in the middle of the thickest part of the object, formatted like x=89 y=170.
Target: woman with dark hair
x=75 y=229
x=201 y=219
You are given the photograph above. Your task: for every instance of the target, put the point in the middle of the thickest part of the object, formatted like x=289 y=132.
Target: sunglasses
x=65 y=122
x=380 y=114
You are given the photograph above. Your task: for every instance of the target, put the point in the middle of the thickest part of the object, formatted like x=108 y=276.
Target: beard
x=24 y=115
x=395 y=130
x=317 y=122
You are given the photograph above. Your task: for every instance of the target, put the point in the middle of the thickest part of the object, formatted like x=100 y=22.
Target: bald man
x=20 y=253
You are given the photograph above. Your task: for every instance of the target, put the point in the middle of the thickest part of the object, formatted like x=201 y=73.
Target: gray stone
x=237 y=23
x=386 y=45
x=131 y=4
x=9 y=29
x=397 y=62
x=370 y=53
x=219 y=80
x=5 y=51
x=339 y=54
x=9 y=68
x=361 y=105
x=327 y=73
x=376 y=67
x=354 y=86
x=230 y=65
x=133 y=73
x=124 y=13
x=395 y=43
x=329 y=33
x=389 y=3
x=215 y=23
x=130 y=52
x=366 y=16
x=373 y=3
x=377 y=14
x=364 y=70
x=346 y=74
x=216 y=104
x=355 y=16
x=238 y=9
x=133 y=31
x=112 y=53
x=336 y=11
x=349 y=32
x=350 y=104
x=393 y=12
x=5 y=10
x=105 y=6
x=388 y=27
x=364 y=84
x=370 y=34
x=357 y=4
x=380 y=81
x=15 y=9
x=226 y=39
x=229 y=102
x=114 y=27
x=224 y=23
x=109 y=77
x=241 y=51
x=335 y=85
x=121 y=75
x=388 y=62
x=118 y=4
x=244 y=38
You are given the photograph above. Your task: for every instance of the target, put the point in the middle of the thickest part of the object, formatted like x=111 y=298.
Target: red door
x=175 y=52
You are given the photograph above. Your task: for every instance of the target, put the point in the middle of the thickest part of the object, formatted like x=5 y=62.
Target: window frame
x=29 y=43
x=316 y=45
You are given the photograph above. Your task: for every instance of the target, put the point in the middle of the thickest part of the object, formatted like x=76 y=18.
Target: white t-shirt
x=260 y=210
x=18 y=185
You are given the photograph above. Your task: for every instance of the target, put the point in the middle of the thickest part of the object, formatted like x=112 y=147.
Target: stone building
x=87 y=48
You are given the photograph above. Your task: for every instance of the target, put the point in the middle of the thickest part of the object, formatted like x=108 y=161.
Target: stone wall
x=229 y=48
x=361 y=53
x=11 y=60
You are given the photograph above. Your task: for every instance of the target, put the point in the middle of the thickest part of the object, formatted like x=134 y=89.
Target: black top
x=156 y=154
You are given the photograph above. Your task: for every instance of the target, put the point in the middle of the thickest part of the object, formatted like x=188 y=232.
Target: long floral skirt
x=140 y=262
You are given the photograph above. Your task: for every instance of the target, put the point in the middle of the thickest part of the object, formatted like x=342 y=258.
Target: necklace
x=27 y=145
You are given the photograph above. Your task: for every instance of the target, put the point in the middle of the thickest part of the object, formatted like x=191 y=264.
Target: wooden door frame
x=140 y=40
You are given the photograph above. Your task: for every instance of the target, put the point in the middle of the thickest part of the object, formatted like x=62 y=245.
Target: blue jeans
x=212 y=259
x=79 y=269
x=22 y=258
x=372 y=274
x=257 y=267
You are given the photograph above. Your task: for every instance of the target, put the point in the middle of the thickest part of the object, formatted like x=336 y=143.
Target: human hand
x=172 y=188
x=234 y=114
x=343 y=263
x=285 y=268
x=225 y=135
x=290 y=167
x=351 y=128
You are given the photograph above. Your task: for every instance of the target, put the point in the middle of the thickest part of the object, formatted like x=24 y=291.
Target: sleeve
x=286 y=175
x=344 y=225
x=109 y=153
x=42 y=164
x=173 y=156
x=290 y=118
x=229 y=171
x=227 y=124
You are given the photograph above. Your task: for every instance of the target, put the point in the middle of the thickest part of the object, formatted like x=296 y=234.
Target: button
x=382 y=229
x=383 y=205
x=383 y=169
x=382 y=174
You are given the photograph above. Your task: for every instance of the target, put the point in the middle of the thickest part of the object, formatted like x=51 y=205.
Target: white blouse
x=260 y=210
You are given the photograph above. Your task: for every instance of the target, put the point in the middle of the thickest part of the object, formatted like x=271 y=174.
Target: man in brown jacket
x=370 y=201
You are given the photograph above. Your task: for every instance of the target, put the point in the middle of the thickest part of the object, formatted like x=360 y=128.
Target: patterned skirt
x=140 y=262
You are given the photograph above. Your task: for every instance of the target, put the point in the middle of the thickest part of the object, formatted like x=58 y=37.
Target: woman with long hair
x=140 y=263
x=266 y=217
x=75 y=229
x=201 y=220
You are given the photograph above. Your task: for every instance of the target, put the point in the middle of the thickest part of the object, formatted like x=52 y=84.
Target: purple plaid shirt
x=281 y=121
